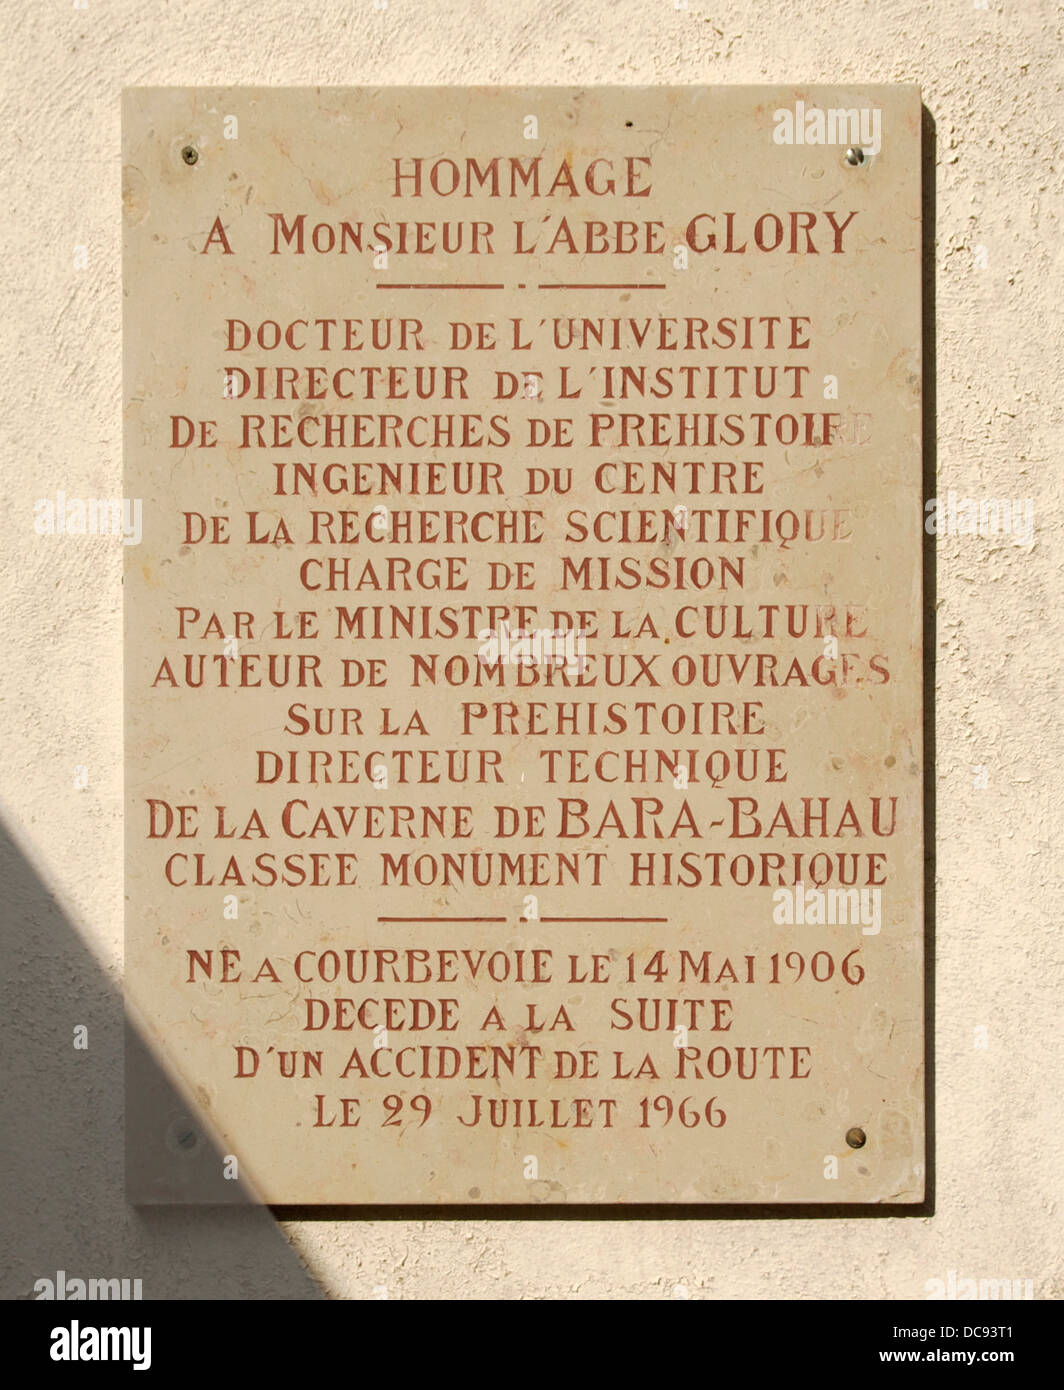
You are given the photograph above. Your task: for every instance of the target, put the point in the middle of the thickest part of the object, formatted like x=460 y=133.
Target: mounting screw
x=190 y=154
x=182 y=1136
x=855 y=155
x=856 y=1138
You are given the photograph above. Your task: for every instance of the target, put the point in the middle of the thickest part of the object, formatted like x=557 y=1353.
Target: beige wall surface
x=991 y=80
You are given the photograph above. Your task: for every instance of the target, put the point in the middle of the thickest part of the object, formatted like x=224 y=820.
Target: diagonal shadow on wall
x=63 y=1127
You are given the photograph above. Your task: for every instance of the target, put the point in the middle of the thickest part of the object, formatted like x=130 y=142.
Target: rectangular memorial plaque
x=523 y=647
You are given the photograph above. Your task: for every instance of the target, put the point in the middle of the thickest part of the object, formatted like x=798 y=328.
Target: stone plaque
x=523 y=645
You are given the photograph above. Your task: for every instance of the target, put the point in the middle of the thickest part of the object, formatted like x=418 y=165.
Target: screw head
x=855 y=155
x=190 y=154
x=856 y=1138
x=182 y=1136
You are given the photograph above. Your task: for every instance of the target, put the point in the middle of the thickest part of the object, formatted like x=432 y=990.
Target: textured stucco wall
x=991 y=80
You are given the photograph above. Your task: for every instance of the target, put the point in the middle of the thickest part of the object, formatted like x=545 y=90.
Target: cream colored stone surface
x=991 y=81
